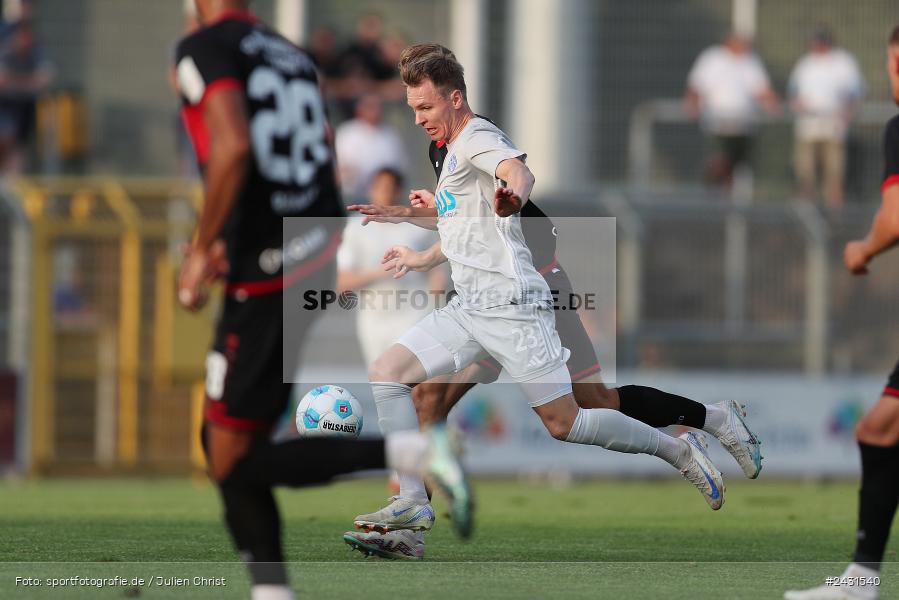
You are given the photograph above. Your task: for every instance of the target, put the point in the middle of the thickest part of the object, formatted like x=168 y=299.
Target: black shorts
x=245 y=387
x=583 y=362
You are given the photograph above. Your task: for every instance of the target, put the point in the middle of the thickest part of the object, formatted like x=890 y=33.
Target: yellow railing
x=115 y=366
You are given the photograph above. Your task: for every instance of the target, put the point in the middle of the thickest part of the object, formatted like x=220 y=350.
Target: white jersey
x=490 y=262
x=386 y=307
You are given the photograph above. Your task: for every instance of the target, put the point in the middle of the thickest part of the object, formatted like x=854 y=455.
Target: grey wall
x=117 y=53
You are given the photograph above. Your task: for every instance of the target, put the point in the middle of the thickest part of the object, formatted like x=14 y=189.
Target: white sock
x=715 y=419
x=406 y=451
x=271 y=592
x=396 y=412
x=674 y=451
x=616 y=431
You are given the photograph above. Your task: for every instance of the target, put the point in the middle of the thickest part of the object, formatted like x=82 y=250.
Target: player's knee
x=382 y=370
x=560 y=431
x=864 y=431
x=558 y=427
x=891 y=438
x=876 y=432
x=223 y=452
x=220 y=469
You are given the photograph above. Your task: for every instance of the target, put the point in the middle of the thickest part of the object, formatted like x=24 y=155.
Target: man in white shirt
x=503 y=308
x=387 y=307
x=826 y=87
x=364 y=145
x=725 y=88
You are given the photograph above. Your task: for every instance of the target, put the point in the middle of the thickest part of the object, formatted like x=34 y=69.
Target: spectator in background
x=359 y=267
x=323 y=50
x=725 y=88
x=363 y=66
x=13 y=14
x=363 y=58
x=25 y=74
x=825 y=89
x=392 y=88
x=366 y=145
x=367 y=64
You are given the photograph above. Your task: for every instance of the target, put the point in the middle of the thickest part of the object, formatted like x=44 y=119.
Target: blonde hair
x=434 y=62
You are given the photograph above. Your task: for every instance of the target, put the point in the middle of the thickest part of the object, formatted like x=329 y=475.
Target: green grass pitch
x=598 y=539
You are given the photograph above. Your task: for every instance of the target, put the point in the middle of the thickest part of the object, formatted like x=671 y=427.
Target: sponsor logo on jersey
x=451 y=164
x=278 y=52
x=296 y=250
x=445 y=202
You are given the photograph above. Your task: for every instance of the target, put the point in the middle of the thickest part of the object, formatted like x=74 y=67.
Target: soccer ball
x=329 y=410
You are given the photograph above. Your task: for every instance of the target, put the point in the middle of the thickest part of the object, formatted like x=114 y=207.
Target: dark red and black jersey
x=538 y=229
x=891 y=154
x=291 y=171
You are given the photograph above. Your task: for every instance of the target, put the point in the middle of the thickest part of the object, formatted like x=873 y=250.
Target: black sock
x=876 y=502
x=306 y=461
x=252 y=518
x=660 y=409
x=250 y=510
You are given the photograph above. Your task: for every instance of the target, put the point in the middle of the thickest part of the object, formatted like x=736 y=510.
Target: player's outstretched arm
x=402 y=259
x=425 y=218
x=884 y=234
x=519 y=182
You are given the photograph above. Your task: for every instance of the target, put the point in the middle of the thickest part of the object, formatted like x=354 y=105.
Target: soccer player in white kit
x=503 y=307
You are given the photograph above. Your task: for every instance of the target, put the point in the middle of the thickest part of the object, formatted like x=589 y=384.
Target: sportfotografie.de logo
x=397 y=300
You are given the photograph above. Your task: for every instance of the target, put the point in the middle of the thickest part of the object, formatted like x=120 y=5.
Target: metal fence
x=109 y=370
x=705 y=283
x=666 y=148
x=106 y=366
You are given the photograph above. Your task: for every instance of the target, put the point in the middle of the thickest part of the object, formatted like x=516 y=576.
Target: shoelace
x=731 y=442
x=693 y=477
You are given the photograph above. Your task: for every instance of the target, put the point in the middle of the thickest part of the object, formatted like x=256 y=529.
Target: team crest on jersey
x=451 y=164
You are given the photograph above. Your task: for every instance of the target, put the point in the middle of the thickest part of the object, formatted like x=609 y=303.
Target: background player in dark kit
x=253 y=109
x=878 y=431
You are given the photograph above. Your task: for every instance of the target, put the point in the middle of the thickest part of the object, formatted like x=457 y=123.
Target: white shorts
x=521 y=337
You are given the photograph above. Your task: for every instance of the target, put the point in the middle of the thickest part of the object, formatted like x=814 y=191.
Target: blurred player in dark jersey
x=878 y=431
x=252 y=106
